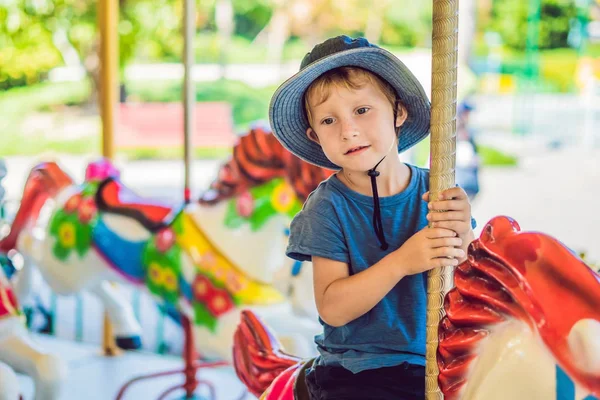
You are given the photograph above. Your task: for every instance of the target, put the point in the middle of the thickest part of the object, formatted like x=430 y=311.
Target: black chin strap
x=377 y=224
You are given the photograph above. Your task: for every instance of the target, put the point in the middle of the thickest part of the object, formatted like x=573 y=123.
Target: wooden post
x=443 y=160
x=108 y=18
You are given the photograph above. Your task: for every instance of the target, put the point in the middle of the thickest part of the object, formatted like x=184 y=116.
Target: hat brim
x=288 y=120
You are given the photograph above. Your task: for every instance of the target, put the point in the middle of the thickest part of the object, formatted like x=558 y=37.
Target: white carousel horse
x=207 y=260
x=523 y=322
x=21 y=353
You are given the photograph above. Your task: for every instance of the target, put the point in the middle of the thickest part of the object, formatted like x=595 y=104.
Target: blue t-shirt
x=337 y=223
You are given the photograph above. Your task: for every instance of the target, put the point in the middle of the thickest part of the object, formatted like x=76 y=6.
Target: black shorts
x=403 y=382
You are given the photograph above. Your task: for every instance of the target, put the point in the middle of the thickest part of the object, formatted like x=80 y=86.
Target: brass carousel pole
x=108 y=17
x=189 y=91
x=442 y=164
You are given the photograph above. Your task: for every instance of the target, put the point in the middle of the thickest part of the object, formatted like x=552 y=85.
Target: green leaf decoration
x=83 y=239
x=261 y=216
x=153 y=288
x=232 y=219
x=203 y=317
x=61 y=252
x=56 y=221
x=295 y=209
x=172 y=296
x=89 y=189
x=266 y=189
x=177 y=224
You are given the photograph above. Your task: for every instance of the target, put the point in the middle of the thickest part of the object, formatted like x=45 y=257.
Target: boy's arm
x=342 y=298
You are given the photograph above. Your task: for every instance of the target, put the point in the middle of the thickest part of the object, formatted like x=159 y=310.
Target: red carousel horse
x=522 y=322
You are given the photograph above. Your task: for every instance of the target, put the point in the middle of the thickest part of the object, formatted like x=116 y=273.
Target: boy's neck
x=393 y=178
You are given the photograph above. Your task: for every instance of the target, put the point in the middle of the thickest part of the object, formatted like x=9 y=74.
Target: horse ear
x=498 y=227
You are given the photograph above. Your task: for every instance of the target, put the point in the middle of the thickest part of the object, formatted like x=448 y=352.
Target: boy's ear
x=401 y=115
x=312 y=135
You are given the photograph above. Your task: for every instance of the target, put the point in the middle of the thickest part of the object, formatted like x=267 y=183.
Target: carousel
x=520 y=319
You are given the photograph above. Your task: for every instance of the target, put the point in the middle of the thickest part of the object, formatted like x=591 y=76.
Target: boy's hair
x=351 y=78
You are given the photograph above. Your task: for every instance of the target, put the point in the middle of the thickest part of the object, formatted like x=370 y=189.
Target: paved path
x=94 y=377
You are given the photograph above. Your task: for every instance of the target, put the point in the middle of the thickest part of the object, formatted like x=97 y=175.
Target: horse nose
x=584 y=343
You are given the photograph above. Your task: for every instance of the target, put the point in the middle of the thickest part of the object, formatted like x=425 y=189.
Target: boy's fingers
x=454 y=226
x=448 y=205
x=446 y=242
x=448 y=252
x=446 y=216
x=426 y=196
x=456 y=193
x=434 y=233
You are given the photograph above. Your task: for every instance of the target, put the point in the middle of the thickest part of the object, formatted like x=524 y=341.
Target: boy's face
x=355 y=128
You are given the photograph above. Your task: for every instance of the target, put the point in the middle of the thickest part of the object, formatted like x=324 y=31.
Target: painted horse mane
x=511 y=274
x=44 y=181
x=258 y=157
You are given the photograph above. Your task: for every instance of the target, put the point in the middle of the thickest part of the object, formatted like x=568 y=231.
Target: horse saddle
x=114 y=197
x=300 y=389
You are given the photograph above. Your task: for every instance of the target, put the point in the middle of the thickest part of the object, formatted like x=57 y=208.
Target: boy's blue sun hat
x=287 y=115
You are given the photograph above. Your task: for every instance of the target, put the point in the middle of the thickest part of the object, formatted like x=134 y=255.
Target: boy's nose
x=349 y=130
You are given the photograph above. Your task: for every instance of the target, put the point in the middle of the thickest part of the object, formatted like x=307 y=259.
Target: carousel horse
x=208 y=260
x=19 y=352
x=522 y=322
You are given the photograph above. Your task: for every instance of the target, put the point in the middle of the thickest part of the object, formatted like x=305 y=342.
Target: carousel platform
x=95 y=377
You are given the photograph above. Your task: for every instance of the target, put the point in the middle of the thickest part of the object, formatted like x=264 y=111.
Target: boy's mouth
x=356 y=150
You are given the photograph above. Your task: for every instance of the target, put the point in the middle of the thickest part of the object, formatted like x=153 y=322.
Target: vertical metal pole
x=108 y=18
x=79 y=306
x=189 y=92
x=443 y=160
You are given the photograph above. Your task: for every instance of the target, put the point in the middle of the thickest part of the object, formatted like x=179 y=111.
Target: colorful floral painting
x=213 y=288
x=260 y=203
x=210 y=301
x=72 y=225
x=162 y=259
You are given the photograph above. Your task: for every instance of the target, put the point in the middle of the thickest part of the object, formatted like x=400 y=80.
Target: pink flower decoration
x=87 y=210
x=233 y=282
x=208 y=260
x=165 y=240
x=73 y=203
x=100 y=170
x=245 y=204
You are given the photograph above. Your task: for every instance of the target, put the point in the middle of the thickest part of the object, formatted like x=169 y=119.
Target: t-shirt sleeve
x=312 y=234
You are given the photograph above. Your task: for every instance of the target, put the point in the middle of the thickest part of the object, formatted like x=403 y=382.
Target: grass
x=35 y=145
x=38 y=145
x=174 y=153
x=19 y=101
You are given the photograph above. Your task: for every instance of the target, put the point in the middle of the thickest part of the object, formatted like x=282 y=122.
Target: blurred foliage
x=35 y=35
x=490 y=157
x=248 y=104
x=31 y=31
x=510 y=17
x=26 y=49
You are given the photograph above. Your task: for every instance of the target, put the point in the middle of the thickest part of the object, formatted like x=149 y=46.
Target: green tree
x=509 y=18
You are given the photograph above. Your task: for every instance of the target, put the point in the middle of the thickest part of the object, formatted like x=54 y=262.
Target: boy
x=353 y=107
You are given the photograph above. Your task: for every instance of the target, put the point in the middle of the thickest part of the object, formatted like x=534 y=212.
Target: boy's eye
x=362 y=110
x=327 y=121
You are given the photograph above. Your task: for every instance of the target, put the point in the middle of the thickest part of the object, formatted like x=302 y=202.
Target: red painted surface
x=152 y=125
